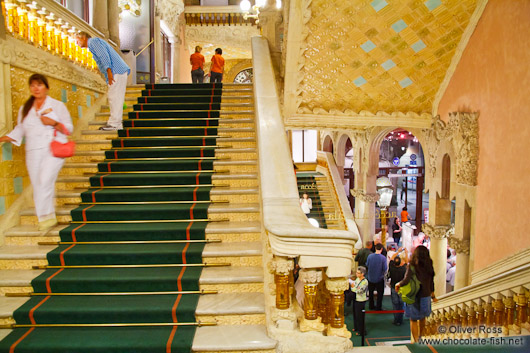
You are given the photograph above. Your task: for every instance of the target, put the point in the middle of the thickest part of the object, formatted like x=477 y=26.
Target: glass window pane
x=310 y=146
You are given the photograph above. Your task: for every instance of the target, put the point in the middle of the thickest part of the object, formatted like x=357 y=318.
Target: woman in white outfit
x=37 y=120
x=306 y=203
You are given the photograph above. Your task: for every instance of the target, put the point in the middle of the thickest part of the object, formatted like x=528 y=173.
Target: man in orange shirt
x=218 y=66
x=197 y=63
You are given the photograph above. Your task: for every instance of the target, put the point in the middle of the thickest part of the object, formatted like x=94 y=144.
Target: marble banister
x=289 y=232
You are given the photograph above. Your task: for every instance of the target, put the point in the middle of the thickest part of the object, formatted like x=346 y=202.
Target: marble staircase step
x=227 y=304
x=232 y=338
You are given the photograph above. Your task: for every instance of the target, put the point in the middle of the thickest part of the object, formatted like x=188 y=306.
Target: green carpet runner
x=159 y=173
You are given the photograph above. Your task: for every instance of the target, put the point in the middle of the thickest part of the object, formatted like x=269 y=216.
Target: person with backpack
x=418 y=299
x=360 y=288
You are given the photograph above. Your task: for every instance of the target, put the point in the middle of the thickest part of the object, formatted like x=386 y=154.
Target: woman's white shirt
x=37 y=134
x=306 y=204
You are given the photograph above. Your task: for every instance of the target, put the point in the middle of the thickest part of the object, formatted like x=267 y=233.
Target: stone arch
x=327 y=145
x=340 y=150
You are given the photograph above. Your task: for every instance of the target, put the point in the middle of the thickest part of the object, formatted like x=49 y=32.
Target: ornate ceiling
x=373 y=55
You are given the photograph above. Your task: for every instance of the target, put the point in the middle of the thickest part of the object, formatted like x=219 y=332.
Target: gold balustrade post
x=282 y=314
x=22 y=12
x=509 y=311
x=50 y=37
x=41 y=31
x=520 y=311
x=33 y=27
x=498 y=307
x=336 y=287
x=282 y=267
x=311 y=279
x=322 y=302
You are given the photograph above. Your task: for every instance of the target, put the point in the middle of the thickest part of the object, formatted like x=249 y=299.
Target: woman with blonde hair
x=39 y=120
x=197 y=65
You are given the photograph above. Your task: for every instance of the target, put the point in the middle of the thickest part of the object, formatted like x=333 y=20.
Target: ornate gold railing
x=45 y=29
x=216 y=16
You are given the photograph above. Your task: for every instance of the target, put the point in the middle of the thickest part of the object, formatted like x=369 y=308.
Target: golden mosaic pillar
x=311 y=320
x=336 y=287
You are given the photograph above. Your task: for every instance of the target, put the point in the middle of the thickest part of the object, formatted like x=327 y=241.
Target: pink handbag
x=62 y=150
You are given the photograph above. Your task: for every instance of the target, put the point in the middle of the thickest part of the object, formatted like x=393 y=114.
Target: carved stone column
x=101 y=20
x=311 y=321
x=336 y=287
x=269 y=19
x=113 y=13
x=365 y=212
x=159 y=65
x=438 y=251
x=462 y=261
x=283 y=314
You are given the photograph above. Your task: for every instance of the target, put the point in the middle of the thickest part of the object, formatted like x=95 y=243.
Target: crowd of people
x=394 y=266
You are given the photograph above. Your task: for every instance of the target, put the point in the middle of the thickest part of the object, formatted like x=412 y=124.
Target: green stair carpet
x=307 y=184
x=168 y=185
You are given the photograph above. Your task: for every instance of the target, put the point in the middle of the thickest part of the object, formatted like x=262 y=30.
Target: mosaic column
x=336 y=287
x=311 y=321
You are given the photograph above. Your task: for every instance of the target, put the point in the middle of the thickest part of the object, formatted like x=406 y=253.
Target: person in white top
x=306 y=203
x=37 y=120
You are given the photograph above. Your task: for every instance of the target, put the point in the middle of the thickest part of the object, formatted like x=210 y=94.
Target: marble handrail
x=289 y=232
x=502 y=282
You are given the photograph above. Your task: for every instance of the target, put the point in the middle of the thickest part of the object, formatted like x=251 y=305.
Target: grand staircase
x=173 y=203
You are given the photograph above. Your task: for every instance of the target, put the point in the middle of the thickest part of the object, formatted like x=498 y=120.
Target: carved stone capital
x=312 y=325
x=283 y=319
x=281 y=266
x=437 y=232
x=338 y=332
x=464 y=136
x=361 y=194
x=337 y=285
x=461 y=246
x=311 y=276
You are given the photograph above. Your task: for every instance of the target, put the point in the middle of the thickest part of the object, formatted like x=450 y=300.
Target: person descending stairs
x=125 y=275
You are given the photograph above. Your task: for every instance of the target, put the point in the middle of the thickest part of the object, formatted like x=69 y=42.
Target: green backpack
x=409 y=291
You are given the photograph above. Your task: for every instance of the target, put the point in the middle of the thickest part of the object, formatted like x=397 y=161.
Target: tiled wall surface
x=13 y=175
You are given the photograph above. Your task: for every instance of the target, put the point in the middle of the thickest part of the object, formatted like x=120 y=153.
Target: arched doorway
x=401 y=159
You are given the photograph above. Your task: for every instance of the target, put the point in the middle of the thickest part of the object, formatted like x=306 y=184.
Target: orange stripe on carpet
x=432 y=349
x=61 y=255
x=32 y=311
x=94 y=194
x=121 y=142
x=127 y=132
x=197 y=178
x=191 y=210
x=116 y=151
x=101 y=180
x=48 y=286
x=84 y=212
x=74 y=239
x=195 y=193
x=188 y=236
x=202 y=152
x=200 y=164
x=108 y=167
x=12 y=348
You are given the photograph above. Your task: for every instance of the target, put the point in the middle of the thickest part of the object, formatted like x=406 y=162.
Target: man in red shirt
x=218 y=66
x=197 y=64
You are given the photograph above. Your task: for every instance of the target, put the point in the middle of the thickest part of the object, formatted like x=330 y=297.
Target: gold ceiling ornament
x=377 y=55
x=133 y=7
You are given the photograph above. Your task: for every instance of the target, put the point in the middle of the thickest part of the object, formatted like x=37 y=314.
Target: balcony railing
x=49 y=26
x=216 y=16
